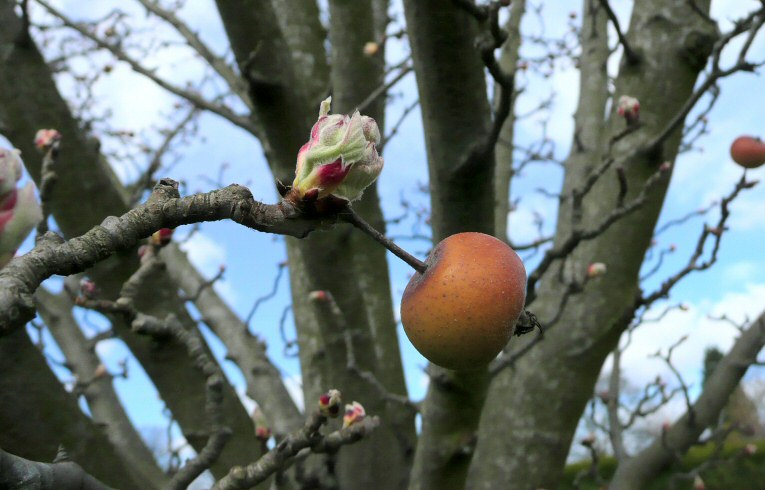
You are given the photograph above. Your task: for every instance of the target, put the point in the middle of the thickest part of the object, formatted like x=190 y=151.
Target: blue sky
x=735 y=286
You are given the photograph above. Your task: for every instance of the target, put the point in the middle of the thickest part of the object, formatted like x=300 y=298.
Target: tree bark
x=526 y=432
x=456 y=118
x=503 y=173
x=37 y=415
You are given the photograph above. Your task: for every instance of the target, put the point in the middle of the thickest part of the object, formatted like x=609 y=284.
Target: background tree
x=509 y=424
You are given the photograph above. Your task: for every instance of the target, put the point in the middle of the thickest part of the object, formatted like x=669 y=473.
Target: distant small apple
x=462 y=311
x=748 y=151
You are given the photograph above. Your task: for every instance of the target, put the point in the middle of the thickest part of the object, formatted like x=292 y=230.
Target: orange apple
x=748 y=151
x=462 y=311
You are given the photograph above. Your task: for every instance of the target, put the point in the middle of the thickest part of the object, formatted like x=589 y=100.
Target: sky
x=735 y=286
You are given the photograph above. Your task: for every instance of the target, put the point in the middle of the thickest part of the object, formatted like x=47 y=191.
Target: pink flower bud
x=665 y=426
x=45 y=138
x=329 y=403
x=319 y=296
x=750 y=449
x=354 y=413
x=628 y=108
x=341 y=157
x=262 y=430
x=88 y=288
x=596 y=269
x=664 y=167
x=19 y=210
x=161 y=237
x=10 y=169
x=263 y=433
x=683 y=307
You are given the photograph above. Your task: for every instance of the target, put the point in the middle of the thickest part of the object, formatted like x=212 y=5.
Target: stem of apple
x=350 y=216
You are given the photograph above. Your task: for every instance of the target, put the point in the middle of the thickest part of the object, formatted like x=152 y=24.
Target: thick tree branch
x=20 y=474
x=164 y=209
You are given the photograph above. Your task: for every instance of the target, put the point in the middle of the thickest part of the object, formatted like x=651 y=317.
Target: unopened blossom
x=319 y=295
x=100 y=371
x=46 y=137
x=750 y=449
x=19 y=210
x=262 y=429
x=596 y=269
x=161 y=237
x=329 y=403
x=341 y=157
x=628 y=108
x=371 y=48
x=88 y=289
x=588 y=441
x=354 y=413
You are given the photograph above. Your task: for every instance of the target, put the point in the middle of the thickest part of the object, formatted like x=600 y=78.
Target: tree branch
x=20 y=474
x=164 y=209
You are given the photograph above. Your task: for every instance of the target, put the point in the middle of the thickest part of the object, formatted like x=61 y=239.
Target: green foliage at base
x=734 y=471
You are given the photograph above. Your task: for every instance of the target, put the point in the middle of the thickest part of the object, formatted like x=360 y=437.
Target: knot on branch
x=164 y=190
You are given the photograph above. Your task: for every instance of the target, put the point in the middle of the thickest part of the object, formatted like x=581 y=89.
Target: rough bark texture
x=37 y=415
x=305 y=38
x=21 y=474
x=525 y=433
x=503 y=173
x=105 y=407
x=29 y=100
x=456 y=117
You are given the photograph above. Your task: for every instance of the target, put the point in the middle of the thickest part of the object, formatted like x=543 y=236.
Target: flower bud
x=19 y=214
x=629 y=108
x=88 y=289
x=319 y=295
x=100 y=371
x=371 y=48
x=750 y=449
x=161 y=237
x=10 y=170
x=354 y=413
x=596 y=269
x=329 y=403
x=588 y=441
x=45 y=138
x=262 y=430
x=341 y=157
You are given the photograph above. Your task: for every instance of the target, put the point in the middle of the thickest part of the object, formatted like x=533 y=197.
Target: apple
x=748 y=151
x=462 y=310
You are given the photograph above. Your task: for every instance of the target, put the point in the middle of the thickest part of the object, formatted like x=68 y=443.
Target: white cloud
x=205 y=253
x=703 y=332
